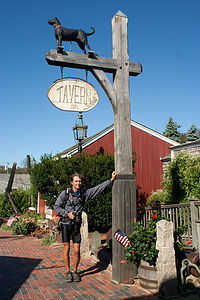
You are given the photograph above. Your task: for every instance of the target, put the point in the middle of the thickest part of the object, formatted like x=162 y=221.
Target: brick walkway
x=31 y=271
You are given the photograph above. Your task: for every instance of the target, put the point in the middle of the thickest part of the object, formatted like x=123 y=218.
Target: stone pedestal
x=166 y=263
x=198 y=236
x=84 y=234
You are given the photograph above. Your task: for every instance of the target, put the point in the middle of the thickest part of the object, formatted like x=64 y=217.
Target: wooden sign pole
x=124 y=188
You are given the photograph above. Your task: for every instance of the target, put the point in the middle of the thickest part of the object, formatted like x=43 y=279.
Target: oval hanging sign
x=73 y=95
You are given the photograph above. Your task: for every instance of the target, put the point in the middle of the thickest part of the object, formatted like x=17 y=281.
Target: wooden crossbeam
x=82 y=61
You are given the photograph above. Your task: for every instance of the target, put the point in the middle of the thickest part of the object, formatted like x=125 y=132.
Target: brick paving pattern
x=31 y=271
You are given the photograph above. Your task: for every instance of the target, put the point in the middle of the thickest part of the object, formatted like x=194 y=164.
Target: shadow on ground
x=14 y=271
x=98 y=267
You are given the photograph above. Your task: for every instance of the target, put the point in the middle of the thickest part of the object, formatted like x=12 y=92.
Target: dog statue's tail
x=93 y=31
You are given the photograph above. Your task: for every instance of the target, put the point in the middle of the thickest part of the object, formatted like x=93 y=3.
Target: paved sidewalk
x=31 y=271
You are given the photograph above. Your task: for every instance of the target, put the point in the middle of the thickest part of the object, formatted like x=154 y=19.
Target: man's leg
x=76 y=256
x=76 y=276
x=66 y=255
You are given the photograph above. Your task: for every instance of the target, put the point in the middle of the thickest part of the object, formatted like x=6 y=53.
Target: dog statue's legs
x=60 y=48
x=82 y=46
x=88 y=46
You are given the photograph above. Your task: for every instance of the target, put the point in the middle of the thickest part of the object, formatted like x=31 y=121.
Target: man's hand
x=71 y=216
x=113 y=175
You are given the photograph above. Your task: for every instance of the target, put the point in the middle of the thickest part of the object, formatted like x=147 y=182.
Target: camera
x=77 y=216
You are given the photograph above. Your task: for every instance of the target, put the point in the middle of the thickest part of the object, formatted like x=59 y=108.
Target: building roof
x=185 y=145
x=74 y=149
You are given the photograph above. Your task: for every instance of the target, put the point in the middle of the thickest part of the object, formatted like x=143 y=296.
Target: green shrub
x=5 y=227
x=6 y=208
x=20 y=198
x=182 y=178
x=22 y=225
x=159 y=195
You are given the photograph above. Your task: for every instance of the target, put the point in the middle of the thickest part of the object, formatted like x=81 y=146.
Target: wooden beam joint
x=84 y=61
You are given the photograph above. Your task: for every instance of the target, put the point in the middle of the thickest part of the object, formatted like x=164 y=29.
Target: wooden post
x=122 y=122
x=124 y=188
x=194 y=218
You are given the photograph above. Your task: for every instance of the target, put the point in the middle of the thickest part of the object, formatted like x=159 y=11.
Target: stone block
x=166 y=264
x=84 y=234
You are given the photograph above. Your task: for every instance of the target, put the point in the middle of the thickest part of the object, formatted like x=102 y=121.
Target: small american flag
x=122 y=238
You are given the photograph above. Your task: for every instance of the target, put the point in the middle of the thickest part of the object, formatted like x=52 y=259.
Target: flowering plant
x=143 y=241
x=22 y=225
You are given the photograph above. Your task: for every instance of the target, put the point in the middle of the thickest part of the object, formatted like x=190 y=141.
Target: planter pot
x=147 y=276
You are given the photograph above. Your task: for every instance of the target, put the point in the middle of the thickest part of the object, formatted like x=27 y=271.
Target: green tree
x=182 y=178
x=171 y=130
x=192 y=134
x=183 y=138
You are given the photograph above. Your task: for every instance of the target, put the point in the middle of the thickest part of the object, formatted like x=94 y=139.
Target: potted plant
x=142 y=249
x=143 y=243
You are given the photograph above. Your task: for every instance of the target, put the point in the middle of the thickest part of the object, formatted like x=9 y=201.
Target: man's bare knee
x=66 y=248
x=77 y=249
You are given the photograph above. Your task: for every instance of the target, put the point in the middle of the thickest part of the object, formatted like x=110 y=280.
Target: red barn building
x=149 y=145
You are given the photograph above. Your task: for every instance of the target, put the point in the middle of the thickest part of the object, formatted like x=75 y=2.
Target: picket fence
x=186 y=214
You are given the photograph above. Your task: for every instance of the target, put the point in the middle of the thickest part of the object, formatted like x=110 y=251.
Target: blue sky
x=162 y=35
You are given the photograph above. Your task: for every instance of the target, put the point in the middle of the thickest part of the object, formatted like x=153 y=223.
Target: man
x=69 y=206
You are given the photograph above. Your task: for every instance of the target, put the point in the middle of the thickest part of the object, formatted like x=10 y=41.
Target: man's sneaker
x=76 y=277
x=69 y=277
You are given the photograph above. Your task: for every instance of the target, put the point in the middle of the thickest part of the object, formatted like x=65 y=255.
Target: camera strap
x=66 y=197
x=71 y=201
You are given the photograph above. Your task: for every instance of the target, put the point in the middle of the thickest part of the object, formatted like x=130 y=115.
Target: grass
x=49 y=240
x=5 y=227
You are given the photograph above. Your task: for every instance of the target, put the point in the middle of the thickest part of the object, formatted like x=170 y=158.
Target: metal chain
x=86 y=75
x=61 y=70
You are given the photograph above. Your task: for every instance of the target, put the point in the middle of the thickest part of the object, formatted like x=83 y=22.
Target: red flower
x=188 y=242
x=133 y=252
x=154 y=217
x=145 y=251
x=134 y=219
x=122 y=262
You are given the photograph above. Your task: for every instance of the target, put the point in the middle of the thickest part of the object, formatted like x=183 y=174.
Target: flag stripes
x=122 y=238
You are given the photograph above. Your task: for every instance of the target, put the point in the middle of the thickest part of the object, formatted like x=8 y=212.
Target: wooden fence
x=187 y=214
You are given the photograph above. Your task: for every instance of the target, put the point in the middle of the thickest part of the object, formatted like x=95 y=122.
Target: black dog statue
x=66 y=34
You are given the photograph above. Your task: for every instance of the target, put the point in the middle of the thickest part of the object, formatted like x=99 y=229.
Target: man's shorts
x=71 y=231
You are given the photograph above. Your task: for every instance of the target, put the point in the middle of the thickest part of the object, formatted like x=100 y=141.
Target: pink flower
x=27 y=221
x=122 y=262
x=188 y=242
x=154 y=217
x=33 y=219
